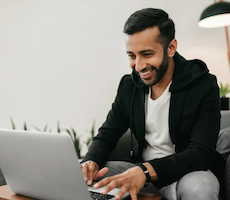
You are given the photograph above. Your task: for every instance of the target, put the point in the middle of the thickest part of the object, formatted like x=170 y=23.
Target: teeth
x=145 y=73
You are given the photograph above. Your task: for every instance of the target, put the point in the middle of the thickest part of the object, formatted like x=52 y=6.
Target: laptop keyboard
x=100 y=196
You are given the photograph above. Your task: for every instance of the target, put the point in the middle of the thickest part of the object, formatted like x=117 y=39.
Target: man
x=171 y=105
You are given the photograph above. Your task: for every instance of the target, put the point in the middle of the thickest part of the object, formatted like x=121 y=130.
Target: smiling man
x=172 y=107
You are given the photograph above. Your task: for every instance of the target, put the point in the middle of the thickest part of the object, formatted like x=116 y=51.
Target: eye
x=131 y=56
x=148 y=54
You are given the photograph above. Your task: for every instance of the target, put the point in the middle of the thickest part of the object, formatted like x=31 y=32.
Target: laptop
x=44 y=166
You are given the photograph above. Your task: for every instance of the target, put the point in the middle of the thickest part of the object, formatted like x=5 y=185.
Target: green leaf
x=69 y=134
x=92 y=134
x=25 y=127
x=75 y=136
x=45 y=128
x=74 y=132
x=88 y=141
x=12 y=123
x=76 y=141
x=36 y=128
x=93 y=129
x=224 y=89
x=58 y=127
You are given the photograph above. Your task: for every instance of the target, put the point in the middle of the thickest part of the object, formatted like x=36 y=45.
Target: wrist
x=151 y=170
x=146 y=173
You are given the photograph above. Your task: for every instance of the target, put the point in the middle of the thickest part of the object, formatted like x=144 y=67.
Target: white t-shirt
x=157 y=127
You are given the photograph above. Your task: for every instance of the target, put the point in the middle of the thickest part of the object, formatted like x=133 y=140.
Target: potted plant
x=224 y=101
x=76 y=141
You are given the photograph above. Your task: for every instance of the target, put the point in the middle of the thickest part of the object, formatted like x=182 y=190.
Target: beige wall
x=62 y=60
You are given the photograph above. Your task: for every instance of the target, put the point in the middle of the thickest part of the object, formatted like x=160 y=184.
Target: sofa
x=122 y=151
x=223 y=147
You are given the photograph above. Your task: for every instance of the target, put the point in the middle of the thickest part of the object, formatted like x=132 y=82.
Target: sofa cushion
x=223 y=143
x=122 y=150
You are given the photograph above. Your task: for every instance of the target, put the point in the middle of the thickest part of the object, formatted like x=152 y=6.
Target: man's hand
x=91 y=173
x=132 y=180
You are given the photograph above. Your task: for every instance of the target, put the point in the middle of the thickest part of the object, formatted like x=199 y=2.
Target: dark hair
x=150 y=17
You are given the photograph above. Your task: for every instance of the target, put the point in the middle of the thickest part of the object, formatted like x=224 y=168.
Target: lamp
x=217 y=15
x=214 y=16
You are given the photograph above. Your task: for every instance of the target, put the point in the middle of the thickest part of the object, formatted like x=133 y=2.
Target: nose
x=139 y=64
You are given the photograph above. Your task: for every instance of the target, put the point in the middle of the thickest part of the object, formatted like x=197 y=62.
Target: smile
x=145 y=73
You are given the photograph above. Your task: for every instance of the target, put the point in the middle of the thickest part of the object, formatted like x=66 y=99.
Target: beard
x=160 y=72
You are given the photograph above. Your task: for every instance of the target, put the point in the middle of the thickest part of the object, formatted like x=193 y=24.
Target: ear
x=172 y=47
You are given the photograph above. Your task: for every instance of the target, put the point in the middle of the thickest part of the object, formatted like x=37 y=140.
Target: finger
x=100 y=173
x=103 y=182
x=122 y=191
x=92 y=169
x=133 y=195
x=114 y=183
x=84 y=168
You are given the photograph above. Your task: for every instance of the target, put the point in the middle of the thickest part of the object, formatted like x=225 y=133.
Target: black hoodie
x=194 y=121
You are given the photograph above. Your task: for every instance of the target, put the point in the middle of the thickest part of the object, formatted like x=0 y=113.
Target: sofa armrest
x=225 y=119
x=227 y=179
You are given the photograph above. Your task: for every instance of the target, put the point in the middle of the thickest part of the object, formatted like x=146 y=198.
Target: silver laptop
x=44 y=166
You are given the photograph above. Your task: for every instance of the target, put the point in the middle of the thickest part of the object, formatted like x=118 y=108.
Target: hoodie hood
x=185 y=72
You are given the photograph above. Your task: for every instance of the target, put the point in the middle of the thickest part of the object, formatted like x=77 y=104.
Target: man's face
x=146 y=55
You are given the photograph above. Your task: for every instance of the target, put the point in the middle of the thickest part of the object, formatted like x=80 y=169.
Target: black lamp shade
x=216 y=15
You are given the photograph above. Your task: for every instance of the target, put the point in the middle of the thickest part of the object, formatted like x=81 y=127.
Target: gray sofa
x=223 y=147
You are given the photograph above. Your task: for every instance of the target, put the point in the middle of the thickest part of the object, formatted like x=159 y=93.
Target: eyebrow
x=144 y=51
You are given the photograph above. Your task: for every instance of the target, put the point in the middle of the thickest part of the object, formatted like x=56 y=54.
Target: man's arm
x=200 y=152
x=114 y=127
x=103 y=144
